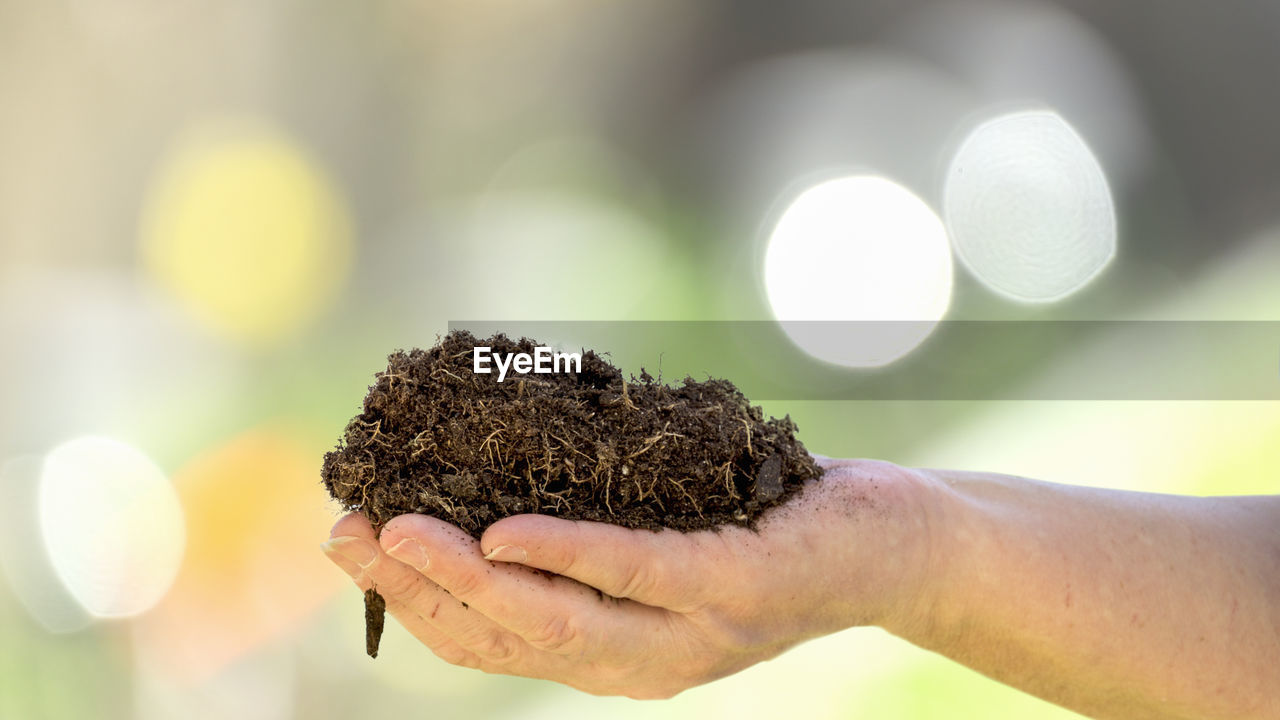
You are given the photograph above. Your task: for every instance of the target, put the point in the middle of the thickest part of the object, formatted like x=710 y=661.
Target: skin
x=1114 y=604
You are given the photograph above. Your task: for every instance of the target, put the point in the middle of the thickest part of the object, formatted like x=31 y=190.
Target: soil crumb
x=436 y=438
x=375 y=615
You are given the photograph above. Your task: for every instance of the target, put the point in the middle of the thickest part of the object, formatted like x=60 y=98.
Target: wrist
x=925 y=588
x=882 y=522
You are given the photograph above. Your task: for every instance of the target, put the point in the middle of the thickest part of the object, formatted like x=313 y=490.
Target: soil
x=375 y=614
x=438 y=439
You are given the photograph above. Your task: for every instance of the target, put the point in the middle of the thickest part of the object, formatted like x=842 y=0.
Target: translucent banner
x=960 y=359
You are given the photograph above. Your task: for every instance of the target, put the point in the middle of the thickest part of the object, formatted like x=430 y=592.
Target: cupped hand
x=613 y=611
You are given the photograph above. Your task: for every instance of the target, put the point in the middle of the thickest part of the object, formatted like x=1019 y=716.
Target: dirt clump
x=439 y=439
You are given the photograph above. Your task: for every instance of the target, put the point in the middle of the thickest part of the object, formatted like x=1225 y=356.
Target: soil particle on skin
x=438 y=439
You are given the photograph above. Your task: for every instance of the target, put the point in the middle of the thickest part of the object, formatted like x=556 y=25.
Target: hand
x=633 y=612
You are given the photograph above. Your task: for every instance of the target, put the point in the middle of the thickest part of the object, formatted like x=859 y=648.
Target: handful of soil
x=438 y=439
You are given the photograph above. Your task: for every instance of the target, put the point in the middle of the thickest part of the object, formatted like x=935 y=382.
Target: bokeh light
x=555 y=254
x=1028 y=51
x=859 y=248
x=253 y=570
x=822 y=112
x=112 y=525
x=578 y=164
x=245 y=227
x=24 y=565
x=65 y=370
x=1028 y=207
x=564 y=228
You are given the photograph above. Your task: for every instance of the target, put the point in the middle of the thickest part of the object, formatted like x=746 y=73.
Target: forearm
x=1116 y=604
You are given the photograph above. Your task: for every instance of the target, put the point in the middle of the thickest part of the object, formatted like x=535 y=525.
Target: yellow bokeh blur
x=244 y=226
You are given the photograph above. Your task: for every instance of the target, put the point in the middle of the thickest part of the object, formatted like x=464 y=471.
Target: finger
x=428 y=612
x=353 y=540
x=352 y=525
x=412 y=599
x=436 y=639
x=553 y=614
x=664 y=569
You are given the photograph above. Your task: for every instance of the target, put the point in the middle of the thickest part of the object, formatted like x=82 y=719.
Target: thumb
x=654 y=568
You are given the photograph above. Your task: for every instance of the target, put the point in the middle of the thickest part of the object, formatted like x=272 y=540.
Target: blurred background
x=216 y=220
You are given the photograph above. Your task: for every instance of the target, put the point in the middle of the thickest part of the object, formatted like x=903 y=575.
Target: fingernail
x=410 y=552
x=358 y=551
x=508 y=553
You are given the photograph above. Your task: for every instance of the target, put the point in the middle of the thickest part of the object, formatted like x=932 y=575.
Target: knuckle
x=563 y=560
x=388 y=582
x=555 y=635
x=466 y=584
x=639 y=579
x=565 y=556
x=497 y=648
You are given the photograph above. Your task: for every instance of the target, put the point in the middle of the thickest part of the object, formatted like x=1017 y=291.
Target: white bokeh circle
x=864 y=251
x=112 y=525
x=1028 y=207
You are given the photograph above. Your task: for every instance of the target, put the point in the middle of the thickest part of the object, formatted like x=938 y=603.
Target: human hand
x=614 y=611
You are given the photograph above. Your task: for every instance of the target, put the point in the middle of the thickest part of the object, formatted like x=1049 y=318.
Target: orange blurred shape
x=253 y=571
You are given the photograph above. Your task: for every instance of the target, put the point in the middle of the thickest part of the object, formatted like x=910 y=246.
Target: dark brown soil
x=437 y=439
x=375 y=614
